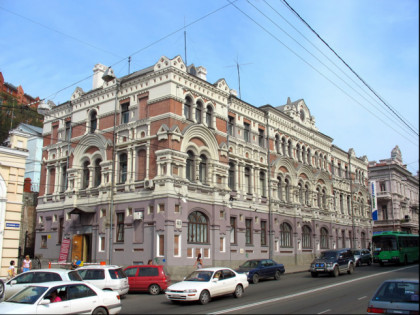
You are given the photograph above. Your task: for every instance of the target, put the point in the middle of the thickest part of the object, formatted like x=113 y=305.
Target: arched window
x=341 y=204
x=231 y=179
x=190 y=166
x=298 y=153
x=285 y=235
x=318 y=197
x=289 y=149
x=198 y=112
x=85 y=180
x=324 y=238
x=187 y=107
x=141 y=164
x=306 y=237
x=203 y=167
x=283 y=146
x=308 y=156
x=262 y=184
x=209 y=116
x=280 y=188
x=277 y=144
x=93 y=121
x=197 y=228
x=303 y=155
x=324 y=199
x=307 y=202
x=300 y=193
x=248 y=186
x=361 y=208
x=98 y=172
x=123 y=168
x=287 y=190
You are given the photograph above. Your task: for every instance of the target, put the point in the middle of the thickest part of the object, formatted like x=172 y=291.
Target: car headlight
x=329 y=264
x=190 y=291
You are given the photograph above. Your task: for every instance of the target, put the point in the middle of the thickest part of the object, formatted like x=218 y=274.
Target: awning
x=82 y=210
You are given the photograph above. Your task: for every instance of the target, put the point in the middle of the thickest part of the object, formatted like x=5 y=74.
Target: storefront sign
x=64 y=250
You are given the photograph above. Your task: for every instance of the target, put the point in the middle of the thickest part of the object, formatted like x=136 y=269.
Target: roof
x=99 y=267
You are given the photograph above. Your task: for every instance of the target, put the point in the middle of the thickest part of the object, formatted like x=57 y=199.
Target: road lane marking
x=233 y=309
x=324 y=311
x=363 y=297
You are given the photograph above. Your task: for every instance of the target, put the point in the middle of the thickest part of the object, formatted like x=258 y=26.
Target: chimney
x=98 y=72
x=202 y=73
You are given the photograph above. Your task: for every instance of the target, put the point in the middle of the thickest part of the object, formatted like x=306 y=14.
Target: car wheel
x=358 y=263
x=100 y=311
x=381 y=263
x=239 y=291
x=277 y=275
x=314 y=274
x=255 y=278
x=154 y=289
x=336 y=272
x=369 y=262
x=405 y=260
x=1 y=289
x=350 y=269
x=204 y=297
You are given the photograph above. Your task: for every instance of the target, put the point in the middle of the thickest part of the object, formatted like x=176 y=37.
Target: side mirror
x=45 y=302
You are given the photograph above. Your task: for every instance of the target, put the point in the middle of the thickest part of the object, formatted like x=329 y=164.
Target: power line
x=350 y=68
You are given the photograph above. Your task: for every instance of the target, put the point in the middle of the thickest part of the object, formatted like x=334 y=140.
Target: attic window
x=302 y=115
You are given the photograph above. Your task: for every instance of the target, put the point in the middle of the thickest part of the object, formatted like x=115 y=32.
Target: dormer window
x=302 y=115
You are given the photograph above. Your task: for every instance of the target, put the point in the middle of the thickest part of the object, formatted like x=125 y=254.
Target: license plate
x=384 y=260
x=319 y=269
x=175 y=295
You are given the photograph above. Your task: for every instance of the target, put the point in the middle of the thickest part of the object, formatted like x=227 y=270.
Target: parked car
x=1 y=289
x=257 y=269
x=75 y=298
x=397 y=296
x=204 y=284
x=38 y=276
x=333 y=262
x=106 y=277
x=149 y=278
x=362 y=256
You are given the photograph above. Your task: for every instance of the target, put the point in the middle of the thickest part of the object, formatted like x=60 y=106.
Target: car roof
x=57 y=270
x=99 y=267
x=402 y=280
x=212 y=268
x=135 y=266
x=55 y=283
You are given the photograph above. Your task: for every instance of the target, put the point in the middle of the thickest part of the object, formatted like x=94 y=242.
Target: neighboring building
x=17 y=93
x=193 y=173
x=12 y=170
x=397 y=194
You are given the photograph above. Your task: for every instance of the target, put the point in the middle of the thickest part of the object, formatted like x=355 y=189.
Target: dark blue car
x=257 y=269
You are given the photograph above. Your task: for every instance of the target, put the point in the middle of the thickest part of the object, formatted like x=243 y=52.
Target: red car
x=150 y=278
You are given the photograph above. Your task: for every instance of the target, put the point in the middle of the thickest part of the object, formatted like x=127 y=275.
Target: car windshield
x=117 y=273
x=406 y=292
x=328 y=255
x=250 y=264
x=199 y=275
x=356 y=252
x=29 y=295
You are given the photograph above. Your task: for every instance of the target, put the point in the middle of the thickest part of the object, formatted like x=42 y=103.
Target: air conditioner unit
x=148 y=183
x=138 y=216
x=178 y=224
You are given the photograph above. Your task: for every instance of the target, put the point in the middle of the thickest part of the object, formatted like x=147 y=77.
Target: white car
x=75 y=297
x=203 y=284
x=106 y=277
x=38 y=276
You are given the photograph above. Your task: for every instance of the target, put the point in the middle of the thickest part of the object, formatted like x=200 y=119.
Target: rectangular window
x=233 y=230
x=248 y=231
x=222 y=245
x=382 y=186
x=68 y=131
x=43 y=241
x=177 y=245
x=161 y=245
x=161 y=207
x=101 y=243
x=263 y=233
x=120 y=227
x=151 y=209
x=231 y=124
x=261 y=138
x=246 y=132
x=248 y=180
x=177 y=208
x=124 y=113
x=60 y=229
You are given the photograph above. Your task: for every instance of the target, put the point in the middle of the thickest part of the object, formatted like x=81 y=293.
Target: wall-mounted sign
x=13 y=225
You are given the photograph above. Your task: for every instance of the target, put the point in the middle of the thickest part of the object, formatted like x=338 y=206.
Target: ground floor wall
x=165 y=234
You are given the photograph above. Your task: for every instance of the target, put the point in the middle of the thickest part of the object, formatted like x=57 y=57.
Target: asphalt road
x=293 y=294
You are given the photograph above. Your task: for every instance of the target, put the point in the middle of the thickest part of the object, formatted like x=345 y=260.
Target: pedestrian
x=150 y=262
x=198 y=262
x=26 y=264
x=12 y=271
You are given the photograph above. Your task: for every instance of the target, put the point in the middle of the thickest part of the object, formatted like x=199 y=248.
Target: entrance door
x=81 y=247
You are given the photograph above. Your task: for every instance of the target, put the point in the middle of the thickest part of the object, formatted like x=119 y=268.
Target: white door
x=82 y=299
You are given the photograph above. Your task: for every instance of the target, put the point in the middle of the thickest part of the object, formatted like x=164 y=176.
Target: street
x=293 y=294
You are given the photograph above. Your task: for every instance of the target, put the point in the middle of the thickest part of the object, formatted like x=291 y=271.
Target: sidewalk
x=296 y=269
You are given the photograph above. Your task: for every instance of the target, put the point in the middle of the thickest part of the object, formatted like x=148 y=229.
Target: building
x=397 y=194
x=12 y=170
x=9 y=90
x=197 y=170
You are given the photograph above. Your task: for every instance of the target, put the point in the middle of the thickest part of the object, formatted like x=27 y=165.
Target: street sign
x=13 y=225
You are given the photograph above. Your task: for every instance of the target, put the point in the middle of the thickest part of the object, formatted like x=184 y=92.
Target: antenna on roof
x=185 y=43
x=239 y=73
x=129 y=62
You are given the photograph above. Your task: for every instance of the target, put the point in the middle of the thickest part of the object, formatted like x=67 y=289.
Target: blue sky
x=48 y=45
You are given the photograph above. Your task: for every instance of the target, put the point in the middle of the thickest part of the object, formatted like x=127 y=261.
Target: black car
x=257 y=269
x=362 y=256
x=333 y=262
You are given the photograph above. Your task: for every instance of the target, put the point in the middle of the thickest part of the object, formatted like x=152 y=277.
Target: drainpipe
x=270 y=207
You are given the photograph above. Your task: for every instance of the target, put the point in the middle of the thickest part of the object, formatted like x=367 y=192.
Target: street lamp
x=107 y=77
